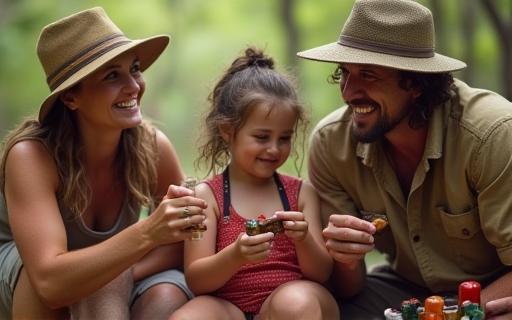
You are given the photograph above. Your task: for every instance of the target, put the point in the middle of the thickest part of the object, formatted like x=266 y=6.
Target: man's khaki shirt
x=456 y=223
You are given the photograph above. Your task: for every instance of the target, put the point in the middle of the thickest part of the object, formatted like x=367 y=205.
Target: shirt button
x=465 y=232
x=416 y=238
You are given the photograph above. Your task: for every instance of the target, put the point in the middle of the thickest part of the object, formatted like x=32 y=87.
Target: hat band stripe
x=386 y=48
x=85 y=57
x=77 y=56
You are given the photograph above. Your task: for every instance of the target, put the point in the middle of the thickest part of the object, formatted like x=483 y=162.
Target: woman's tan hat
x=75 y=46
x=392 y=33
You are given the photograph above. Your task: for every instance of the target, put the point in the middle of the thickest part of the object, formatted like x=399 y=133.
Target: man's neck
x=405 y=147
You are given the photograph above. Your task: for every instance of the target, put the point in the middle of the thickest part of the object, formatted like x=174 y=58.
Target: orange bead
x=434 y=304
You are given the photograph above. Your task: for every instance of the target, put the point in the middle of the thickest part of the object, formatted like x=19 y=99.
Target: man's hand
x=499 y=309
x=348 y=238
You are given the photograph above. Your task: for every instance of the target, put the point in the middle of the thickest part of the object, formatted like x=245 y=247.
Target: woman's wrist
x=144 y=239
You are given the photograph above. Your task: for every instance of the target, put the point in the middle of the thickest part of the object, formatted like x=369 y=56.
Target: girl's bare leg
x=299 y=300
x=208 y=307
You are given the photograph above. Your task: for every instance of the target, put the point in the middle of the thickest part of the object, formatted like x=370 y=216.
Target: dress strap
x=227 y=193
x=225 y=190
x=282 y=192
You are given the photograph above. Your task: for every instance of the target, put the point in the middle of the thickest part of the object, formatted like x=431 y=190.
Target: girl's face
x=264 y=141
x=109 y=97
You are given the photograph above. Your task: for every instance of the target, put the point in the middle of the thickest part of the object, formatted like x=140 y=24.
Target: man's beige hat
x=392 y=33
x=72 y=48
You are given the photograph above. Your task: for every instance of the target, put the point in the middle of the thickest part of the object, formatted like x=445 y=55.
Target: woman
x=75 y=180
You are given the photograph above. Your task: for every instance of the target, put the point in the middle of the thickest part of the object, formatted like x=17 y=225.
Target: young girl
x=254 y=116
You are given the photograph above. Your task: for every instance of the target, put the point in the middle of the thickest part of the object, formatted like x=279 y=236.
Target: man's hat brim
x=337 y=53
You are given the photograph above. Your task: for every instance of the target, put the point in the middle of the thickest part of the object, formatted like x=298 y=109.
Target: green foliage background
x=206 y=37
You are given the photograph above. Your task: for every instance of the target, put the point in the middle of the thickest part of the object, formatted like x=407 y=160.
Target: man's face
x=379 y=105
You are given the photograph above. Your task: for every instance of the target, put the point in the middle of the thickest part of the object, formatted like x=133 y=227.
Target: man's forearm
x=349 y=280
x=500 y=288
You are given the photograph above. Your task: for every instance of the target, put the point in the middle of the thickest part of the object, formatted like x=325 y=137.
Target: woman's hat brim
x=147 y=50
x=337 y=53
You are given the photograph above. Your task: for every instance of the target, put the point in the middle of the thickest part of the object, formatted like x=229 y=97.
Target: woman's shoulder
x=29 y=150
x=31 y=158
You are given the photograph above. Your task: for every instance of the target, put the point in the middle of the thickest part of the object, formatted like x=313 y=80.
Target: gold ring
x=185 y=212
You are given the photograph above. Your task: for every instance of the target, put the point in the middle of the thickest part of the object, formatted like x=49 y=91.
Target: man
x=424 y=152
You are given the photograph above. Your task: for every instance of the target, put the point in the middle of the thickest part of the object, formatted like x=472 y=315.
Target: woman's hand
x=295 y=226
x=177 y=212
x=253 y=249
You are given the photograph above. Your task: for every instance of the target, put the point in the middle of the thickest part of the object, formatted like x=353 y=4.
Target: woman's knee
x=159 y=301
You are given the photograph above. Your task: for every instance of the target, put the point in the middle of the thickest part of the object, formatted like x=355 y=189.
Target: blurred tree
x=504 y=30
x=468 y=35
x=437 y=13
x=208 y=35
x=290 y=31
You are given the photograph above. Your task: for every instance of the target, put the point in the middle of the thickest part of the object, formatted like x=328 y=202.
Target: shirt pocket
x=463 y=225
x=466 y=242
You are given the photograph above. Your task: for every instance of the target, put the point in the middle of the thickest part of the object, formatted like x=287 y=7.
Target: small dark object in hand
x=380 y=221
x=257 y=226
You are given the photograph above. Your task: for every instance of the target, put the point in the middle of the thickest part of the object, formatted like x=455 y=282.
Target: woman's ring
x=185 y=212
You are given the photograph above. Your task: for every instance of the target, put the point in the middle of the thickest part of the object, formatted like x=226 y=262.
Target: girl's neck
x=241 y=177
x=252 y=196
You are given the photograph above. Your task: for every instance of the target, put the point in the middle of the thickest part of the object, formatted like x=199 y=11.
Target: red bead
x=469 y=290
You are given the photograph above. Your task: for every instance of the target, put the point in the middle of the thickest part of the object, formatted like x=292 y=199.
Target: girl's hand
x=178 y=211
x=253 y=249
x=295 y=226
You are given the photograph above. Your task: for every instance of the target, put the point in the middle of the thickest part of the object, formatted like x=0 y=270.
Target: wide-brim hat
x=391 y=33
x=73 y=47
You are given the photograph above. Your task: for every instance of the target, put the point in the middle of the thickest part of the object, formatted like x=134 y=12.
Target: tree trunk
x=468 y=33
x=290 y=31
x=504 y=31
x=437 y=13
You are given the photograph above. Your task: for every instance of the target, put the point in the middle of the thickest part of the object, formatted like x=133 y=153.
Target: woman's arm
x=61 y=277
x=169 y=172
x=207 y=271
x=314 y=260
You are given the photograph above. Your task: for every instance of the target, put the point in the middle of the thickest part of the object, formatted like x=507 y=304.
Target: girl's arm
x=314 y=260
x=61 y=277
x=169 y=171
x=207 y=271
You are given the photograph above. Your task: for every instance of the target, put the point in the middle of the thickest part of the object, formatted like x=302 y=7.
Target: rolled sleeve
x=493 y=178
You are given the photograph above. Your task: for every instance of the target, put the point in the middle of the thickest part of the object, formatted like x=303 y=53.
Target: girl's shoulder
x=290 y=181
x=209 y=190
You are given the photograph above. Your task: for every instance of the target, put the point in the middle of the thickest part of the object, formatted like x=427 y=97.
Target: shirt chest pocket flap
x=460 y=225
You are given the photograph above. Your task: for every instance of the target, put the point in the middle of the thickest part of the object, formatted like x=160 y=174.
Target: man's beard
x=383 y=125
